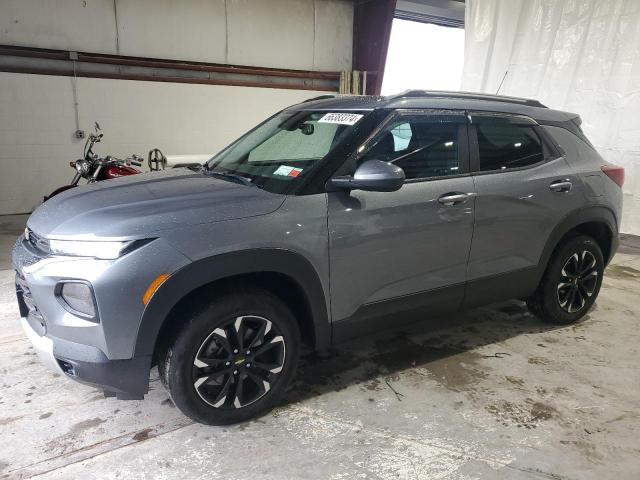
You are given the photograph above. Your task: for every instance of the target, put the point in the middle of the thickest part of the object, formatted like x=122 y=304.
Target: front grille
x=25 y=301
x=36 y=241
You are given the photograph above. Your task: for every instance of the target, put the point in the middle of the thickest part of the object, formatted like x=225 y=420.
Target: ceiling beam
x=372 y=21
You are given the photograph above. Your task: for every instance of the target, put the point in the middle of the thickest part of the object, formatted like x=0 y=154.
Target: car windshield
x=283 y=150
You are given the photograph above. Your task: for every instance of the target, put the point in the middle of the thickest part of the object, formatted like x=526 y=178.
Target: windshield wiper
x=234 y=177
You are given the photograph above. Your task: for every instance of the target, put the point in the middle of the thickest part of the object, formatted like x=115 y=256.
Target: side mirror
x=371 y=176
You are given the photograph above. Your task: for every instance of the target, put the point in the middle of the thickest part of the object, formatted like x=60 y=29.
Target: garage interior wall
x=37 y=112
x=581 y=56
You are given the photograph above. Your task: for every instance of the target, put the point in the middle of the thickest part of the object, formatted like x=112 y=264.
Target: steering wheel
x=156 y=160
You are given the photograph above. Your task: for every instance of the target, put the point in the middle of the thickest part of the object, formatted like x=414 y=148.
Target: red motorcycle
x=95 y=169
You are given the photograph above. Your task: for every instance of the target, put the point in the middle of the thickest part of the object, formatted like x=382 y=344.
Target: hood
x=138 y=205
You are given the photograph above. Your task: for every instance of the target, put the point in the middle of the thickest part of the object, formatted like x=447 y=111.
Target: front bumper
x=42 y=345
x=118 y=287
x=124 y=379
x=100 y=351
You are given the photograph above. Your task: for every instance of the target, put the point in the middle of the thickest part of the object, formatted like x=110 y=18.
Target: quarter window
x=505 y=146
x=421 y=147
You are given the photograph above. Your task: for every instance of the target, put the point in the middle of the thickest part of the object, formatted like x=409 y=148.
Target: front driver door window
x=404 y=246
x=421 y=147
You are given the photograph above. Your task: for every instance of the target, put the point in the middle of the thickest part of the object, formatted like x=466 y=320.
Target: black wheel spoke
x=566 y=304
x=234 y=337
x=572 y=297
x=564 y=292
x=241 y=328
x=578 y=299
x=261 y=383
x=222 y=339
x=208 y=380
x=590 y=274
x=212 y=362
x=268 y=346
x=563 y=286
x=588 y=263
x=570 y=268
x=589 y=284
x=214 y=352
x=222 y=396
x=584 y=293
x=259 y=336
x=273 y=367
x=238 y=400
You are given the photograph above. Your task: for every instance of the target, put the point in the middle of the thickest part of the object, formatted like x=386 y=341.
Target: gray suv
x=330 y=219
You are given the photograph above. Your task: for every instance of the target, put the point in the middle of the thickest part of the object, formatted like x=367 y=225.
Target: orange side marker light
x=153 y=286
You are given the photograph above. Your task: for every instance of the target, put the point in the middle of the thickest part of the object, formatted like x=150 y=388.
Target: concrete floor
x=491 y=393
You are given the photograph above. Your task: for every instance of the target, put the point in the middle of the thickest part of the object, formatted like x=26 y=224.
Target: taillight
x=615 y=173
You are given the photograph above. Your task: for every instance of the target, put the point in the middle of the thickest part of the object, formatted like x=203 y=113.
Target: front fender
x=218 y=267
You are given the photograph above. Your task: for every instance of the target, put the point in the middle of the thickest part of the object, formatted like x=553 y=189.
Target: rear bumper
x=124 y=379
x=615 y=243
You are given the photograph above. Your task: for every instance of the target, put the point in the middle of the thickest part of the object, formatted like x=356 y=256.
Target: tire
x=213 y=385
x=577 y=266
x=162 y=371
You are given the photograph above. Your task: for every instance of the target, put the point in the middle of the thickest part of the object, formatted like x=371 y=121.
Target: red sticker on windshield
x=295 y=172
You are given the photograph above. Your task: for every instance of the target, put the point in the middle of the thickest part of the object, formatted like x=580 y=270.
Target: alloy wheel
x=578 y=281
x=238 y=362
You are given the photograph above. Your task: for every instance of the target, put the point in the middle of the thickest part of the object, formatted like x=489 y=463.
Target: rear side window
x=503 y=146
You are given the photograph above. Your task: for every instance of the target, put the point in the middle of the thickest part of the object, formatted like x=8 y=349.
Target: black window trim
x=338 y=160
x=555 y=150
x=517 y=119
x=463 y=144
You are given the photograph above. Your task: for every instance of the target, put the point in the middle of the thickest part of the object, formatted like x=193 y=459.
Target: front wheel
x=571 y=283
x=233 y=359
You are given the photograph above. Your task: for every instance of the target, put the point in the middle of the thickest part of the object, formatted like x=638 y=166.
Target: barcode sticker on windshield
x=341 y=118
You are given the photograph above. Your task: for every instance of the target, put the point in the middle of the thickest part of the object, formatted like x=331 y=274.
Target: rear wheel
x=571 y=283
x=233 y=359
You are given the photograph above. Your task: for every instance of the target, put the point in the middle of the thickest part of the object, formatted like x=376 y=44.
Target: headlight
x=98 y=249
x=82 y=167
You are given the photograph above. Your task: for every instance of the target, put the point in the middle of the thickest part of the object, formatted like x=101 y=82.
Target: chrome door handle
x=561 y=186
x=455 y=198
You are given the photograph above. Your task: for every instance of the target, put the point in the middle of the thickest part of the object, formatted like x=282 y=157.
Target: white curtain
x=581 y=56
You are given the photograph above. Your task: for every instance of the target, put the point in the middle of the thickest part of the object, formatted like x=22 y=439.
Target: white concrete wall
x=37 y=124
x=37 y=113
x=300 y=34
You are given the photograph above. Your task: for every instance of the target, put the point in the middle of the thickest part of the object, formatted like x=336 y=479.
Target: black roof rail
x=321 y=97
x=468 y=96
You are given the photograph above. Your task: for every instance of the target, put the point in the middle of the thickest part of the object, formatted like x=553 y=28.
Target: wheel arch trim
x=218 y=267
x=595 y=213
